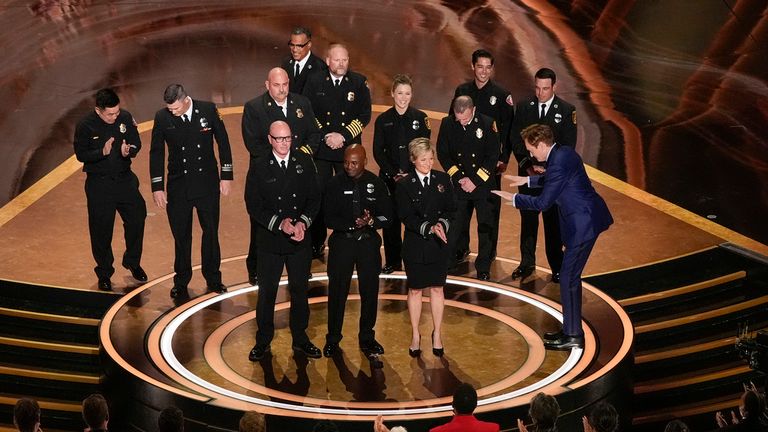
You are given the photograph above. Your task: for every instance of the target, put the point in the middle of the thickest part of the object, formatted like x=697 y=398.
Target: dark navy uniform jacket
x=345 y=200
x=495 y=102
x=92 y=133
x=313 y=65
x=391 y=134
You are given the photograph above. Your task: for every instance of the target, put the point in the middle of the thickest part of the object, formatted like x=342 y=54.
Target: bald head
x=338 y=59
x=354 y=160
x=280 y=138
x=277 y=84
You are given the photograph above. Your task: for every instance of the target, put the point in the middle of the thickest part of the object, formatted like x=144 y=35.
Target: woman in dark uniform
x=426 y=205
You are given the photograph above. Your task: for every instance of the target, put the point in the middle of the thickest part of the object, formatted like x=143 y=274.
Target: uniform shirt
x=192 y=164
x=260 y=112
x=469 y=151
x=560 y=116
x=273 y=195
x=314 y=64
x=346 y=199
x=91 y=133
x=392 y=133
x=495 y=102
x=345 y=109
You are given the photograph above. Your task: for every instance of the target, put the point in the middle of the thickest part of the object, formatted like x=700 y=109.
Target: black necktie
x=185 y=118
x=298 y=69
x=336 y=82
x=543 y=111
x=426 y=182
x=283 y=166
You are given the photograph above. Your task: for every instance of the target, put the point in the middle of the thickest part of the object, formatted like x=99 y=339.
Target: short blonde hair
x=419 y=146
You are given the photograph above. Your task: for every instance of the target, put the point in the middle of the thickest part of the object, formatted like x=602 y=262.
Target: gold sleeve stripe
x=320 y=126
x=355 y=128
x=306 y=149
x=453 y=170
x=482 y=174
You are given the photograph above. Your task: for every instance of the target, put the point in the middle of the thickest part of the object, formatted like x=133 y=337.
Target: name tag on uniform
x=348 y=192
x=272 y=180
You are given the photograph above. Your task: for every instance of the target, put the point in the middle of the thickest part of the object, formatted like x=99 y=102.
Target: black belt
x=358 y=234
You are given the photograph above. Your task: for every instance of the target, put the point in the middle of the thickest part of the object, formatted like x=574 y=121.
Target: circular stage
x=194 y=354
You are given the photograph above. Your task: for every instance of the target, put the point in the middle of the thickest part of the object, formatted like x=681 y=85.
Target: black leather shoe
x=331 y=349
x=484 y=276
x=414 y=352
x=318 y=252
x=217 y=288
x=258 y=352
x=253 y=279
x=371 y=347
x=308 y=349
x=105 y=285
x=522 y=272
x=462 y=256
x=389 y=269
x=554 y=335
x=565 y=343
x=556 y=277
x=179 y=292
x=138 y=273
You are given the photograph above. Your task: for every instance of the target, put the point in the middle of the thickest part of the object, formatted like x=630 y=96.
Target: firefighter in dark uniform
x=393 y=130
x=468 y=149
x=283 y=198
x=105 y=142
x=342 y=104
x=356 y=204
x=302 y=63
x=497 y=103
x=544 y=108
x=188 y=128
x=259 y=113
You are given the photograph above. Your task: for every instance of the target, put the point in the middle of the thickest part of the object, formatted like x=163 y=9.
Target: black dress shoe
x=138 y=273
x=331 y=349
x=371 y=347
x=216 y=287
x=522 y=272
x=258 y=352
x=308 y=349
x=565 y=343
x=553 y=335
x=556 y=277
x=179 y=292
x=253 y=279
x=318 y=252
x=105 y=285
x=389 y=269
x=484 y=276
x=462 y=256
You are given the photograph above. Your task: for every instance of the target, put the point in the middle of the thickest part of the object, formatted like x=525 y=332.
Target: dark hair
x=95 y=410
x=302 y=31
x=544 y=411
x=535 y=133
x=171 y=420
x=676 y=426
x=26 y=413
x=464 y=399
x=106 y=98
x=173 y=93
x=401 y=79
x=252 y=421
x=751 y=404
x=546 y=73
x=462 y=103
x=604 y=418
x=481 y=53
x=325 y=426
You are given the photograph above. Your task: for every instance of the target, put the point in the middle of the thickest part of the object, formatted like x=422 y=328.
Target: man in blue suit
x=583 y=216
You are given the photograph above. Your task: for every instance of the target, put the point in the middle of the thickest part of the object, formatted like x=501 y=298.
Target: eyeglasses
x=293 y=45
x=281 y=139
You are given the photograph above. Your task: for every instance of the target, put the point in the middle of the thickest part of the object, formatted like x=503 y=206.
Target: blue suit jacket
x=583 y=213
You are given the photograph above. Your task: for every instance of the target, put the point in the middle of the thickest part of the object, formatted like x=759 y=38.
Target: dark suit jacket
x=339 y=208
x=561 y=117
x=391 y=134
x=583 y=213
x=495 y=102
x=272 y=195
x=260 y=112
x=192 y=166
x=313 y=65
x=420 y=208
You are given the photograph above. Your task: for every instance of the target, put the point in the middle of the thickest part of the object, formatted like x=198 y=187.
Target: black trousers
x=496 y=212
x=253 y=248
x=269 y=269
x=483 y=209
x=179 y=210
x=392 y=235
x=344 y=255
x=553 y=243
x=106 y=196
x=325 y=171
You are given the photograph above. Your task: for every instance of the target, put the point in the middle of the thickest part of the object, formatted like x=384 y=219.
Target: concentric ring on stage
x=350 y=409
